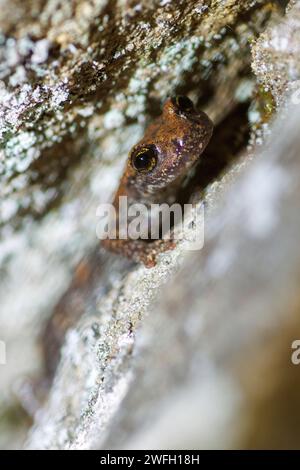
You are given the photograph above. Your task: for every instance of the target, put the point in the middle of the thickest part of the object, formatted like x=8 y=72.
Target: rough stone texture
x=79 y=81
x=274 y=57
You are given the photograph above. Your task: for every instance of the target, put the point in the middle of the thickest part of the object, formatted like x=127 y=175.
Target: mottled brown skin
x=179 y=136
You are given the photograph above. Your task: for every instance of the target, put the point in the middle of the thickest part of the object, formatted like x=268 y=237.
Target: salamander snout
x=182 y=108
x=182 y=104
x=179 y=106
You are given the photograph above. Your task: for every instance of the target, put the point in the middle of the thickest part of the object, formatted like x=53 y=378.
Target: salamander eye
x=183 y=103
x=145 y=159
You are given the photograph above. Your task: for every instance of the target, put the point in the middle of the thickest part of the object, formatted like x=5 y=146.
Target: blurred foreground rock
x=195 y=352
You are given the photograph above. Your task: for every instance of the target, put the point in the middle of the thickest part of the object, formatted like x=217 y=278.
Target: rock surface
x=192 y=340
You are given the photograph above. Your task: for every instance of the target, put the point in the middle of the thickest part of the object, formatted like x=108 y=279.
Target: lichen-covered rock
x=79 y=81
x=274 y=56
x=67 y=80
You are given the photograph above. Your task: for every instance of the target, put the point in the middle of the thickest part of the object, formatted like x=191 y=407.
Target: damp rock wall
x=139 y=348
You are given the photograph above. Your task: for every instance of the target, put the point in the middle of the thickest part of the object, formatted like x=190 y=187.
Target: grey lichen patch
x=275 y=57
x=275 y=63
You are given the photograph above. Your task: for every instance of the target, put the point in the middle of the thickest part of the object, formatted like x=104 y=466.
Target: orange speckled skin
x=180 y=138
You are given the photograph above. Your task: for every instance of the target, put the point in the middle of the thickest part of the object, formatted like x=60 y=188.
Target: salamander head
x=172 y=144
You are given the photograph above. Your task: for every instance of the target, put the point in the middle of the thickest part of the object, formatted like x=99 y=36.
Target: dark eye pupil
x=145 y=159
x=183 y=103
